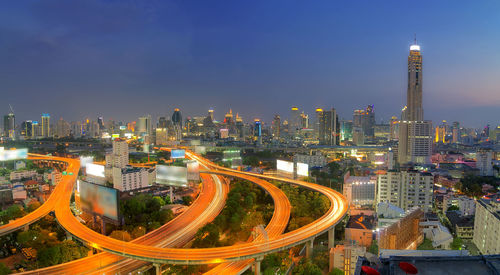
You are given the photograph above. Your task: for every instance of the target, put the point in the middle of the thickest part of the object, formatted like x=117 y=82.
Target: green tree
x=306 y=267
x=336 y=271
x=453 y=208
x=49 y=256
x=187 y=200
x=373 y=247
x=456 y=244
x=138 y=231
x=4 y=270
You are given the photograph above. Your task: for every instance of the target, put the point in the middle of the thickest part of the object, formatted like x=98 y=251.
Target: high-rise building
x=177 y=118
x=45 y=125
x=228 y=118
x=276 y=126
x=9 y=125
x=394 y=128
x=62 y=128
x=406 y=189
x=162 y=122
x=346 y=130
x=36 y=129
x=455 y=132
x=365 y=119
x=484 y=161
x=440 y=136
x=329 y=128
x=415 y=134
x=100 y=121
x=294 y=123
x=304 y=121
x=240 y=129
x=257 y=131
x=119 y=157
x=487 y=225
x=26 y=128
x=144 y=127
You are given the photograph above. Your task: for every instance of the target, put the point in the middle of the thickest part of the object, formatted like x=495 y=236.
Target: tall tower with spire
x=415 y=133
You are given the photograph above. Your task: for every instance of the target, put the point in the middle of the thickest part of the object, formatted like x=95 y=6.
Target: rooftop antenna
x=415 y=35
x=11 y=109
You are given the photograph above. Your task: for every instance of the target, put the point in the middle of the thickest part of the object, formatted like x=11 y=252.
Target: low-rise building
x=360 y=191
x=405 y=233
x=129 y=178
x=359 y=230
x=19 y=175
x=344 y=257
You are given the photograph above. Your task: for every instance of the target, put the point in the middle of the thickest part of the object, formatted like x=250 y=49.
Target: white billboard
x=302 y=169
x=13 y=154
x=193 y=170
x=171 y=175
x=85 y=160
x=95 y=170
x=284 y=166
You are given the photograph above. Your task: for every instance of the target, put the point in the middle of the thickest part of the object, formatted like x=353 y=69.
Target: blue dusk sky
x=122 y=59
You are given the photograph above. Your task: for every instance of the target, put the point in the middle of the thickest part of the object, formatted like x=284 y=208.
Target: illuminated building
x=228 y=118
x=440 y=136
x=403 y=234
x=487 y=225
x=358 y=137
x=394 y=128
x=484 y=162
x=257 y=131
x=100 y=121
x=162 y=122
x=406 y=189
x=365 y=119
x=177 y=118
x=129 y=178
x=144 y=127
x=304 y=121
x=211 y=114
x=415 y=134
x=359 y=191
x=319 y=114
x=9 y=125
x=161 y=136
x=119 y=157
x=45 y=125
x=346 y=130
x=294 y=123
x=62 y=128
x=329 y=128
x=76 y=129
x=455 y=132
x=240 y=126
x=26 y=128
x=276 y=126
x=36 y=130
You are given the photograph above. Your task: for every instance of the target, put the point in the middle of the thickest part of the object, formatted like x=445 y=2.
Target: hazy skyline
x=123 y=59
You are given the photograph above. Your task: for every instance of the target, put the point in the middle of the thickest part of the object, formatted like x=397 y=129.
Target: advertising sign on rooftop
x=171 y=175
x=98 y=199
x=178 y=154
x=284 y=166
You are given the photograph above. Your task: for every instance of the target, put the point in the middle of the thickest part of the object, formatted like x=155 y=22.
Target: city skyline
x=195 y=62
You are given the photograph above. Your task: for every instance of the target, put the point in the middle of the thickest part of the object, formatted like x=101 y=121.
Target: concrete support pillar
x=157 y=269
x=26 y=228
x=331 y=238
x=256 y=266
x=309 y=248
x=69 y=236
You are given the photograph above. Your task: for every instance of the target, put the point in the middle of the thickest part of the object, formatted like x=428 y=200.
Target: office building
x=26 y=128
x=294 y=123
x=177 y=118
x=129 y=178
x=484 y=161
x=276 y=126
x=311 y=160
x=359 y=191
x=329 y=128
x=161 y=136
x=144 y=127
x=257 y=131
x=9 y=125
x=45 y=126
x=487 y=225
x=406 y=189
x=62 y=128
x=365 y=119
x=415 y=134
x=120 y=155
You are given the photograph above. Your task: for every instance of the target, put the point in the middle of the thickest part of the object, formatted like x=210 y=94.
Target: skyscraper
x=294 y=122
x=329 y=128
x=177 y=118
x=276 y=126
x=365 y=119
x=144 y=127
x=45 y=125
x=415 y=134
x=9 y=125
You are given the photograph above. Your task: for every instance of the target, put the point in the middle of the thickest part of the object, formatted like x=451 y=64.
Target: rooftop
x=361 y=222
x=489 y=264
